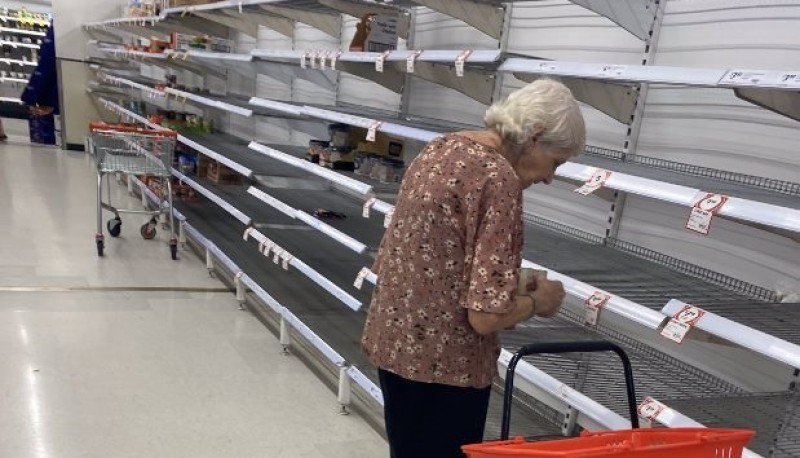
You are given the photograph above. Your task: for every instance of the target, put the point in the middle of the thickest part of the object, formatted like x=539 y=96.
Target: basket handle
x=590 y=346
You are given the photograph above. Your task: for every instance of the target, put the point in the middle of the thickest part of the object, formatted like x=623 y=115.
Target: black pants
x=431 y=420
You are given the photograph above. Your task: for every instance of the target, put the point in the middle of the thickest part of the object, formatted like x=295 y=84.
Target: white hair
x=545 y=106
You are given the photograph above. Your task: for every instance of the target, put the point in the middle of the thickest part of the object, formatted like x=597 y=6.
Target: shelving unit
x=696 y=380
x=20 y=40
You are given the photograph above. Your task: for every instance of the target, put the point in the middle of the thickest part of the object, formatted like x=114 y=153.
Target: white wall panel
x=559 y=203
x=434 y=101
x=733 y=249
x=558 y=29
x=730 y=33
x=437 y=31
x=359 y=91
x=713 y=128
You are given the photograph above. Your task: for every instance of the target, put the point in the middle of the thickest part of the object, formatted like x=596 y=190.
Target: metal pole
x=284 y=337
x=634 y=130
x=344 y=390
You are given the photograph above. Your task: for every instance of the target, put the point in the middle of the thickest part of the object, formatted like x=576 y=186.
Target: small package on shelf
x=221 y=174
x=314 y=149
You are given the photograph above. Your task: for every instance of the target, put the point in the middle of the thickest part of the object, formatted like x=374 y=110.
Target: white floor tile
x=130 y=373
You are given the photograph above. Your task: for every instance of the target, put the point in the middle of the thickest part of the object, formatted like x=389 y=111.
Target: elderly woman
x=448 y=269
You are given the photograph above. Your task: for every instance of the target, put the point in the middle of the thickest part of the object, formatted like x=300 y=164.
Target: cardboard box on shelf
x=220 y=174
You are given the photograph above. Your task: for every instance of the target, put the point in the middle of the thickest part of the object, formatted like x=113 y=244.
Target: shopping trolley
x=633 y=443
x=122 y=148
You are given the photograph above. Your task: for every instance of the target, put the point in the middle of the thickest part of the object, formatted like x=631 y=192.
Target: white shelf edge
x=16 y=44
x=316 y=277
x=326 y=229
x=331 y=354
x=33 y=33
x=743 y=336
x=322 y=172
x=233 y=165
x=235 y=212
x=245 y=112
x=678 y=76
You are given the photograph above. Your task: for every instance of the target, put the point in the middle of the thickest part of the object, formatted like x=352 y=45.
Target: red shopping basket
x=633 y=443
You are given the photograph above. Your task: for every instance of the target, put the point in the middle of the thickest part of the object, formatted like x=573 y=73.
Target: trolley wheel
x=148 y=230
x=114 y=226
x=173 y=249
x=100 y=246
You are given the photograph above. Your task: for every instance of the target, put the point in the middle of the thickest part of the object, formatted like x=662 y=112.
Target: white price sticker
x=387 y=221
x=593 y=305
x=699 y=221
x=312 y=56
x=278 y=253
x=460 y=60
x=703 y=212
x=789 y=80
x=368 y=206
x=689 y=315
x=267 y=248
x=743 y=77
x=304 y=60
x=360 y=278
x=372 y=132
x=411 y=61
x=286 y=258
x=612 y=70
x=380 y=61
x=675 y=330
x=595 y=182
x=246 y=235
x=650 y=409
x=322 y=59
x=334 y=58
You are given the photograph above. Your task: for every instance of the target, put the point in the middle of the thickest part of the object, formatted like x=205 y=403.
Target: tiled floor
x=137 y=374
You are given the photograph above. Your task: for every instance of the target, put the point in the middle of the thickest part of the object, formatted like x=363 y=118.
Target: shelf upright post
x=500 y=78
x=411 y=43
x=635 y=125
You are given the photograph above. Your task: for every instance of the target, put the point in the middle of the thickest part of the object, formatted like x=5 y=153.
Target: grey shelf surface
x=652 y=285
x=656 y=374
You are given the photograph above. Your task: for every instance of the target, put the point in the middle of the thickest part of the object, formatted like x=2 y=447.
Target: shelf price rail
x=348 y=373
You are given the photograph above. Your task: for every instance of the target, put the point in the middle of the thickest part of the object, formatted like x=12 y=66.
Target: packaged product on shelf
x=187 y=164
x=342 y=158
x=340 y=135
x=221 y=174
x=314 y=148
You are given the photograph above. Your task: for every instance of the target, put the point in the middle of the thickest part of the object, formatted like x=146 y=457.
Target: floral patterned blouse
x=454 y=243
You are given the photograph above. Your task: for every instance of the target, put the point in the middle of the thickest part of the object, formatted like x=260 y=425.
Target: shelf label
x=595 y=182
x=360 y=278
x=277 y=254
x=379 y=62
x=304 y=60
x=650 y=409
x=387 y=221
x=373 y=130
x=412 y=60
x=703 y=212
x=334 y=58
x=739 y=77
x=789 y=80
x=312 y=59
x=368 y=206
x=247 y=232
x=323 y=56
x=682 y=322
x=593 y=305
x=607 y=71
x=267 y=248
x=286 y=257
x=460 y=60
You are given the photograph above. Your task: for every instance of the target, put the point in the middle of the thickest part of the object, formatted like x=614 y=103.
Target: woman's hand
x=548 y=295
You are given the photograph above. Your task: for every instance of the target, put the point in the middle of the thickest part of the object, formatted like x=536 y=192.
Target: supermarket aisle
x=97 y=373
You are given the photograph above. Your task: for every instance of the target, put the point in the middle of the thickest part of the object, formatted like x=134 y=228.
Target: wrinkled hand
x=548 y=295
